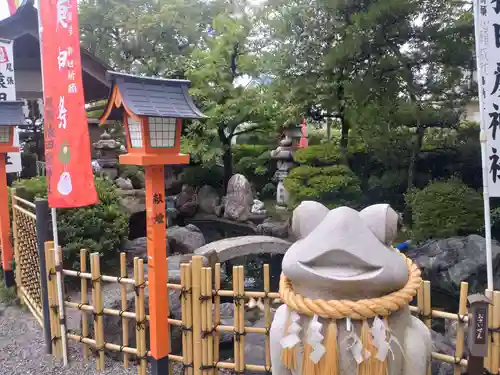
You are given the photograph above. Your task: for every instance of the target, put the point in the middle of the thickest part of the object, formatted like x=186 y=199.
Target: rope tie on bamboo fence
x=457 y=360
x=52 y=272
x=141 y=325
x=98 y=314
x=238 y=335
x=142 y=357
x=205 y=298
x=205 y=334
x=186 y=366
x=139 y=287
x=238 y=299
x=184 y=292
x=185 y=329
x=96 y=280
x=461 y=318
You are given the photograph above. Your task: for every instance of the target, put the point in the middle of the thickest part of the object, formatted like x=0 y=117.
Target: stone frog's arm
x=276 y=334
x=417 y=348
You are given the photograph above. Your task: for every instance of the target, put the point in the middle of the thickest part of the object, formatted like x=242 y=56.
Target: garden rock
x=273 y=228
x=184 y=240
x=186 y=201
x=208 y=199
x=124 y=183
x=136 y=248
x=133 y=201
x=258 y=208
x=448 y=262
x=239 y=199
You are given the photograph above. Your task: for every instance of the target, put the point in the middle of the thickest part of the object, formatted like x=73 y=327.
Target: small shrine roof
x=11 y=113
x=146 y=96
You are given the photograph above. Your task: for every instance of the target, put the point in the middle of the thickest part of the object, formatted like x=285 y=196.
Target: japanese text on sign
x=488 y=54
x=68 y=162
x=480 y=329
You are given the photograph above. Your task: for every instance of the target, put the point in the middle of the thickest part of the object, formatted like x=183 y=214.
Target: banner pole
x=484 y=151
x=60 y=299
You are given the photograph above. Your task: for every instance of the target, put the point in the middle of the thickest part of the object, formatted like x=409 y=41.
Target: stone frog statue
x=346 y=293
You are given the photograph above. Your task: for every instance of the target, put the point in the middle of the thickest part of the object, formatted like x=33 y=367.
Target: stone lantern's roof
x=146 y=96
x=106 y=143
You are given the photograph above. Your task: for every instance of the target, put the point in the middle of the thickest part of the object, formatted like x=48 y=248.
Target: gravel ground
x=22 y=350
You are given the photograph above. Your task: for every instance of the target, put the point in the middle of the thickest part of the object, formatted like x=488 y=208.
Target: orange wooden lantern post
x=152 y=110
x=11 y=115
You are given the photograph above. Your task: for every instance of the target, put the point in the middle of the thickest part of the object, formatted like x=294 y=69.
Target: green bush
x=255 y=163
x=101 y=228
x=198 y=175
x=333 y=186
x=445 y=209
x=319 y=155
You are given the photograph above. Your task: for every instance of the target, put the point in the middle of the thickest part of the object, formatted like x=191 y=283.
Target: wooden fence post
x=95 y=269
x=187 y=320
x=123 y=288
x=197 y=264
x=462 y=311
x=55 y=327
x=43 y=234
x=84 y=301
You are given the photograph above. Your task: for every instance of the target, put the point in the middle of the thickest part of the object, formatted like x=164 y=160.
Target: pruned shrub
x=334 y=186
x=319 y=155
x=445 y=209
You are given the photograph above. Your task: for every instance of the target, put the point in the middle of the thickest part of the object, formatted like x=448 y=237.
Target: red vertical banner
x=67 y=143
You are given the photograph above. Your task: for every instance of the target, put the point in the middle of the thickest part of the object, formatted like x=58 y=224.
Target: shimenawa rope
x=334 y=310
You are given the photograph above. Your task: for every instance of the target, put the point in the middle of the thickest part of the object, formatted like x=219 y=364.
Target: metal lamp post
x=11 y=115
x=152 y=111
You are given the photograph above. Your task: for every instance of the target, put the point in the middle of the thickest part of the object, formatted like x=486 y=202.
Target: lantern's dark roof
x=11 y=113
x=146 y=96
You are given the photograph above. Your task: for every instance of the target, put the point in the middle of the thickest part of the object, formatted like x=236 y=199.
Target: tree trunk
x=344 y=132
x=415 y=151
x=227 y=159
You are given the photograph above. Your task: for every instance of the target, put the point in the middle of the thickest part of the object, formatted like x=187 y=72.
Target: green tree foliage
x=374 y=69
x=444 y=209
x=141 y=36
x=231 y=109
x=101 y=228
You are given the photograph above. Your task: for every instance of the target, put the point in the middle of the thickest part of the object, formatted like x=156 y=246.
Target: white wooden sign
x=8 y=92
x=487 y=25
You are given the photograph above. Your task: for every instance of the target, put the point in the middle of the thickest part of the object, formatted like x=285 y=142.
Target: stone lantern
x=284 y=163
x=294 y=133
x=108 y=151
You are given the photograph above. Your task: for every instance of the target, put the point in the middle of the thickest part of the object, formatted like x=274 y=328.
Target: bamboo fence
x=200 y=322
x=27 y=262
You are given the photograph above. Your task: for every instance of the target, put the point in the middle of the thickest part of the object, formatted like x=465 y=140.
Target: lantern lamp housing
x=11 y=115
x=152 y=110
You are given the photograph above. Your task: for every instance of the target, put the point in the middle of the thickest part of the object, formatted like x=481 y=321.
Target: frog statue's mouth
x=340 y=265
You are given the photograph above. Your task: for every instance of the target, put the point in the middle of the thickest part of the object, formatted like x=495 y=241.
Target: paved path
x=22 y=349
